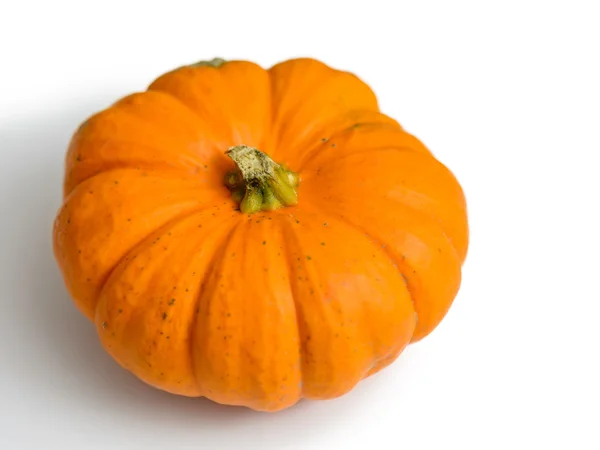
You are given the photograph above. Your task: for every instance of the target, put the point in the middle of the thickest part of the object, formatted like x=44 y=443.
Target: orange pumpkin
x=211 y=269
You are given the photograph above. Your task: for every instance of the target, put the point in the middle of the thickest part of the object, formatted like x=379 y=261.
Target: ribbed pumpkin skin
x=198 y=299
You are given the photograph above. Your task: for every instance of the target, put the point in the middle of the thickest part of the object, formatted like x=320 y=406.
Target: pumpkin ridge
x=325 y=137
x=286 y=128
x=381 y=245
x=140 y=166
x=397 y=263
x=387 y=148
x=459 y=206
x=288 y=229
x=214 y=262
x=173 y=96
x=140 y=244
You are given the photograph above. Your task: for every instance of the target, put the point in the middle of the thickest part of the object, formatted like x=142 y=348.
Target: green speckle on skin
x=308 y=257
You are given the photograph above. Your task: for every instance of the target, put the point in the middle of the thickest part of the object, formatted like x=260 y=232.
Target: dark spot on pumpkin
x=104 y=325
x=228 y=314
x=116 y=182
x=333 y=145
x=167 y=337
x=164 y=316
x=171 y=302
x=308 y=257
x=120 y=311
x=322 y=243
x=264 y=242
x=323 y=139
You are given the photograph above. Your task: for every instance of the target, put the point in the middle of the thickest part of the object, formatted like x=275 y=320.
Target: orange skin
x=199 y=299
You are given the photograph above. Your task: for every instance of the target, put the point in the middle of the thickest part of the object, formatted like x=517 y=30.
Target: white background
x=507 y=94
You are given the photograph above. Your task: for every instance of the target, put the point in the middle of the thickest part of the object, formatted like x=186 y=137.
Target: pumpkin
x=257 y=236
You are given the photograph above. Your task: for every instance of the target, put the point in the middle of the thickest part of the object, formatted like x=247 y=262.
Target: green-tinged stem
x=259 y=183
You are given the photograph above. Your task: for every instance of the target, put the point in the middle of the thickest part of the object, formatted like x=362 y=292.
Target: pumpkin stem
x=259 y=183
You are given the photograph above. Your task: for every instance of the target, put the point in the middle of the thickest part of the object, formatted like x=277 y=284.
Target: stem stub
x=259 y=183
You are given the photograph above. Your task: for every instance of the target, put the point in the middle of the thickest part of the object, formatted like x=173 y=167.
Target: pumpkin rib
x=323 y=94
x=377 y=243
x=294 y=290
x=324 y=143
x=234 y=114
x=144 y=242
x=322 y=153
x=140 y=165
x=372 y=342
x=102 y=140
x=167 y=174
x=433 y=202
x=214 y=263
x=149 y=300
x=401 y=264
x=352 y=119
x=84 y=281
x=367 y=150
